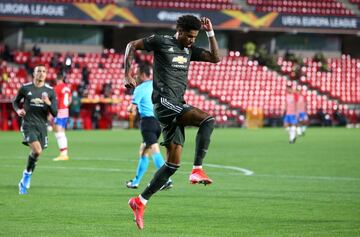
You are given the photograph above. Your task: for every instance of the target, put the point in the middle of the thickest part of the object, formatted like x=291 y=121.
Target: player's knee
x=59 y=135
x=36 y=152
x=208 y=123
x=155 y=148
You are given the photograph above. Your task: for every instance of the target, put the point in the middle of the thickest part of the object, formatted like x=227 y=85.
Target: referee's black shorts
x=150 y=130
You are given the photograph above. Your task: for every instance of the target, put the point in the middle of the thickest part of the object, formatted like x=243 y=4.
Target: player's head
x=60 y=77
x=144 y=72
x=298 y=89
x=187 y=27
x=40 y=73
x=289 y=89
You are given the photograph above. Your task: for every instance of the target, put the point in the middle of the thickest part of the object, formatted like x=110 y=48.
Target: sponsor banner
x=36 y=10
x=118 y=14
x=318 y=22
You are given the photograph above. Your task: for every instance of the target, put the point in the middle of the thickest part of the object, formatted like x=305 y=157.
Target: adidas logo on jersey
x=171 y=49
x=29 y=93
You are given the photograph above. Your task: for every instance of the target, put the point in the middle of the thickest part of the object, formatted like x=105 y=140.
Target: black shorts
x=32 y=133
x=166 y=112
x=150 y=130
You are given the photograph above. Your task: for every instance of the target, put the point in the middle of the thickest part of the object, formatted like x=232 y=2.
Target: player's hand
x=46 y=100
x=129 y=109
x=129 y=82
x=206 y=24
x=21 y=112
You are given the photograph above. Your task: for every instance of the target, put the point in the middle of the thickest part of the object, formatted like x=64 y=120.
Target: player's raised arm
x=213 y=54
x=129 y=57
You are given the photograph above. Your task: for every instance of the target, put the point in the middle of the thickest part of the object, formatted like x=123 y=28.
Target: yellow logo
x=37 y=101
x=248 y=18
x=107 y=13
x=179 y=60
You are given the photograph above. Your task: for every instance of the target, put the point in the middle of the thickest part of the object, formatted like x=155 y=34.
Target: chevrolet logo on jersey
x=179 y=60
x=37 y=101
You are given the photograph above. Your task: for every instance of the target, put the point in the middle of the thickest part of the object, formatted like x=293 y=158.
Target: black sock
x=159 y=179
x=203 y=140
x=30 y=167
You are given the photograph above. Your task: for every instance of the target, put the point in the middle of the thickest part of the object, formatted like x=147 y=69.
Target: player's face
x=40 y=73
x=139 y=78
x=187 y=38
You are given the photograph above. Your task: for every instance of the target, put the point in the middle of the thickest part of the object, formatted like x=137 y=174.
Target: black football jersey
x=36 y=110
x=171 y=66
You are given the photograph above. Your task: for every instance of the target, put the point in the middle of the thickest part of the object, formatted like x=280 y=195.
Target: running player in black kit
x=172 y=56
x=39 y=100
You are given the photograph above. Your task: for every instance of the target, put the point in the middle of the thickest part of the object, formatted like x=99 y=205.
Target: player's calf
x=203 y=139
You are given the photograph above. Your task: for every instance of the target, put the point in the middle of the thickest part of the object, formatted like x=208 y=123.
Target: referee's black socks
x=203 y=140
x=159 y=179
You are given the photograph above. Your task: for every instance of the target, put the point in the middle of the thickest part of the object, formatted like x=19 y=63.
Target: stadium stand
x=225 y=89
x=303 y=7
x=74 y=1
x=340 y=82
x=189 y=4
x=355 y=2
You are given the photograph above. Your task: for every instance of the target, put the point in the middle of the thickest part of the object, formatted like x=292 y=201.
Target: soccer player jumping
x=172 y=56
x=39 y=101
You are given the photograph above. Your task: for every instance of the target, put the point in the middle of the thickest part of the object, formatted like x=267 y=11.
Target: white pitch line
x=309 y=177
x=245 y=171
x=238 y=169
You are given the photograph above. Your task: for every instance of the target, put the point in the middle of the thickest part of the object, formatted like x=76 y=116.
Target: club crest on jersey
x=179 y=59
x=44 y=94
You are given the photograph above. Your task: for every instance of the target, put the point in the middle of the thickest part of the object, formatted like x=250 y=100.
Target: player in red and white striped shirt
x=290 y=119
x=301 y=113
x=63 y=94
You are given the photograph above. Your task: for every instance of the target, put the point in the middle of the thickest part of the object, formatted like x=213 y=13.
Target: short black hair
x=61 y=76
x=188 y=23
x=145 y=68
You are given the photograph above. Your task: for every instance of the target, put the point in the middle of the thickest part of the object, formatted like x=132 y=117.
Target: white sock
x=143 y=200
x=303 y=128
x=292 y=133
x=26 y=172
x=197 y=167
x=299 y=131
x=62 y=142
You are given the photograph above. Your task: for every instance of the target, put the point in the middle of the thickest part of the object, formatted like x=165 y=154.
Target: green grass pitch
x=311 y=188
